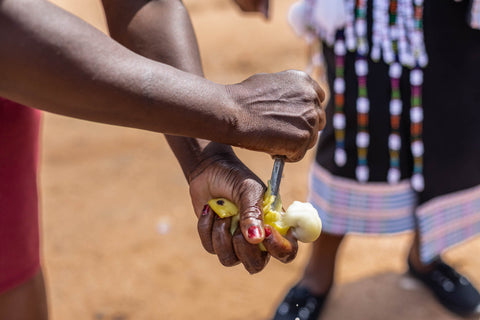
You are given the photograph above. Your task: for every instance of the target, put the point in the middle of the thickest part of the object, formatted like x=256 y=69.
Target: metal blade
x=276 y=177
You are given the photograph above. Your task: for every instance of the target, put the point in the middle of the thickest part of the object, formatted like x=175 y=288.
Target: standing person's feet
x=306 y=299
x=451 y=289
x=300 y=304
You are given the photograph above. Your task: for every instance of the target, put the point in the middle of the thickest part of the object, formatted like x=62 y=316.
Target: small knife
x=276 y=177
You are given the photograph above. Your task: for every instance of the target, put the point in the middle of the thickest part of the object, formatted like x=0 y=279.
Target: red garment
x=19 y=227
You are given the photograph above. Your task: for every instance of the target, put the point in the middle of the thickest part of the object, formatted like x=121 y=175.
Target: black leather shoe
x=451 y=289
x=300 y=304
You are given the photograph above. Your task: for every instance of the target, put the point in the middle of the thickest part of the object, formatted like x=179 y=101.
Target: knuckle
x=249 y=255
x=251 y=212
x=289 y=256
x=258 y=264
x=311 y=117
x=228 y=260
x=250 y=185
x=300 y=75
x=304 y=137
x=298 y=156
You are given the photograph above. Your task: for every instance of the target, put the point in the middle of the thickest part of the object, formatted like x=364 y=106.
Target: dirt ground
x=119 y=233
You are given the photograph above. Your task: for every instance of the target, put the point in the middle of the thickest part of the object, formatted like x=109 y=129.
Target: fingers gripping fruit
x=300 y=216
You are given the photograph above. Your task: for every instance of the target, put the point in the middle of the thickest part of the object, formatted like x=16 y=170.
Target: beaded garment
x=397 y=39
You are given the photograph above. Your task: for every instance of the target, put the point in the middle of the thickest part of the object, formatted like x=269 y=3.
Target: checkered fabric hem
x=345 y=205
x=448 y=221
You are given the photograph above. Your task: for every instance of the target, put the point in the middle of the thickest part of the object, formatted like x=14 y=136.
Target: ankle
x=316 y=284
x=417 y=264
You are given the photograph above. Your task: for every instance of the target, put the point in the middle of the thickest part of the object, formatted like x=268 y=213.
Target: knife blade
x=277 y=172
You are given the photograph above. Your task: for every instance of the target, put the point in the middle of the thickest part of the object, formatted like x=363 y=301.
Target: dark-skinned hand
x=225 y=176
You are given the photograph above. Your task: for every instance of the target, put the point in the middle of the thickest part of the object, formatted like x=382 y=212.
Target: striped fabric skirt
x=346 y=206
x=447 y=211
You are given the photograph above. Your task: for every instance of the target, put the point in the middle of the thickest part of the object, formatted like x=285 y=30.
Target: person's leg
x=414 y=256
x=451 y=289
x=319 y=271
x=27 y=301
x=306 y=299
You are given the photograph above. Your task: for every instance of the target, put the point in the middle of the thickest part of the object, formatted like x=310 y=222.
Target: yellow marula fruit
x=301 y=217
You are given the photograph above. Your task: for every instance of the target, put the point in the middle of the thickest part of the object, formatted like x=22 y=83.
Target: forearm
x=54 y=61
x=162 y=31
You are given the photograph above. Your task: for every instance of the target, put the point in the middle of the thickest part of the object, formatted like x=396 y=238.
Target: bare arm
x=161 y=30
x=54 y=61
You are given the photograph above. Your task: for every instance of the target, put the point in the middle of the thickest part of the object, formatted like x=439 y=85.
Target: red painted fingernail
x=268 y=231
x=205 y=210
x=254 y=232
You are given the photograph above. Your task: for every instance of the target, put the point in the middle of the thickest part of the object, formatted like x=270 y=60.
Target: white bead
x=418 y=2
x=361 y=67
x=388 y=56
x=395 y=70
x=394 y=142
x=416 y=77
x=363 y=139
x=363 y=105
x=339 y=85
x=423 y=60
x=362 y=173
x=410 y=22
x=394 y=33
x=329 y=38
x=362 y=48
x=393 y=175
x=418 y=183
x=417 y=148
x=351 y=43
x=340 y=157
x=409 y=60
x=380 y=14
x=416 y=114
x=376 y=53
x=402 y=46
x=395 y=107
x=416 y=38
x=376 y=37
x=361 y=27
x=297 y=17
x=386 y=44
x=340 y=49
x=339 y=121
x=349 y=31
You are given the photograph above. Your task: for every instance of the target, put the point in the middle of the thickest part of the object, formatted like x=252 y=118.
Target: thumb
x=250 y=203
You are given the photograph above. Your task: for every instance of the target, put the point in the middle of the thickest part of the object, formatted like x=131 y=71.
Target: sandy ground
x=119 y=234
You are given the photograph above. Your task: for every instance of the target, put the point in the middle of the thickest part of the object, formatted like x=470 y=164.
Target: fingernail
x=205 y=210
x=268 y=231
x=254 y=232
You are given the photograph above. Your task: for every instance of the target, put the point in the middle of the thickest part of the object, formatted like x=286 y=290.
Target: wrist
x=211 y=153
x=234 y=116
